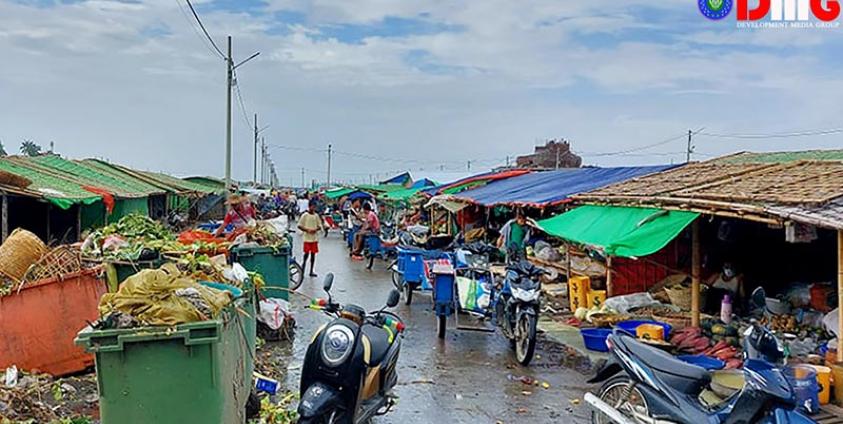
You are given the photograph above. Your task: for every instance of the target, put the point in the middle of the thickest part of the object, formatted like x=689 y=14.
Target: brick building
x=547 y=156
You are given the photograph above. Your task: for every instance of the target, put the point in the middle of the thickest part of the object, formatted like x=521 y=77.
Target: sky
x=427 y=86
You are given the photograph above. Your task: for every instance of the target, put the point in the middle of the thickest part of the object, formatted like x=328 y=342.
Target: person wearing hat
x=240 y=213
x=310 y=225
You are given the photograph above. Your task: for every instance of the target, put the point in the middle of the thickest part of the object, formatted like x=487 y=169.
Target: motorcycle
x=350 y=366
x=642 y=384
x=517 y=307
x=382 y=246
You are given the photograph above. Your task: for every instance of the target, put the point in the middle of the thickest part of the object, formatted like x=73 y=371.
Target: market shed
x=541 y=189
x=473 y=182
x=779 y=190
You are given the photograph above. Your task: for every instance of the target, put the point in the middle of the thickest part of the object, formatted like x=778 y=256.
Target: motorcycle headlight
x=525 y=295
x=337 y=344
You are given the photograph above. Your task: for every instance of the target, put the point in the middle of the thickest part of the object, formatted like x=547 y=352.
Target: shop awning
x=619 y=231
x=340 y=192
x=400 y=195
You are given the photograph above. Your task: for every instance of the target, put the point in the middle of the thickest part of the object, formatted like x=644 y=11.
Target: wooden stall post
x=5 y=229
x=839 y=295
x=610 y=289
x=568 y=261
x=79 y=222
x=695 y=274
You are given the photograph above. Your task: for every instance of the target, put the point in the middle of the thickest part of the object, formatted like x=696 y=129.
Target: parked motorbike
x=380 y=246
x=645 y=385
x=518 y=306
x=350 y=366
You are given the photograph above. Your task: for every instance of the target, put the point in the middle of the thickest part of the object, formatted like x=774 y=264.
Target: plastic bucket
x=595 y=338
x=824 y=382
x=803 y=378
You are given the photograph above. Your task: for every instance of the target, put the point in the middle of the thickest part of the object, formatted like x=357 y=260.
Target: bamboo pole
x=568 y=261
x=840 y=295
x=695 y=274
x=610 y=289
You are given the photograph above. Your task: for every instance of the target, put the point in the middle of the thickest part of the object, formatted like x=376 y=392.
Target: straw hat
x=234 y=200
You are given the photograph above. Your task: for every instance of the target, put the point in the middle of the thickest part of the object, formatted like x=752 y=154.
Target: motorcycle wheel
x=331 y=418
x=396 y=280
x=408 y=293
x=443 y=321
x=616 y=392
x=525 y=339
x=296 y=275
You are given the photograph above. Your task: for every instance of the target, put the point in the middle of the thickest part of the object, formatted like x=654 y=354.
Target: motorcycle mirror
x=394 y=297
x=328 y=282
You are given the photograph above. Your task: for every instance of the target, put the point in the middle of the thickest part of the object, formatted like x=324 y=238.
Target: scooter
x=645 y=385
x=517 y=307
x=350 y=366
x=380 y=246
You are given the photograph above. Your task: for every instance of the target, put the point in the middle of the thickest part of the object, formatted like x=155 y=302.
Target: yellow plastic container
x=837 y=371
x=824 y=380
x=578 y=288
x=650 y=332
x=596 y=298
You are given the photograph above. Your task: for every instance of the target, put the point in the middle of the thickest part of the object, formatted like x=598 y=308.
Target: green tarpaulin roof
x=87 y=176
x=401 y=195
x=381 y=188
x=336 y=194
x=619 y=231
x=781 y=157
x=207 y=182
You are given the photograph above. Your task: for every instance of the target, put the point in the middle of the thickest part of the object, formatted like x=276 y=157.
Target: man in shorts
x=310 y=225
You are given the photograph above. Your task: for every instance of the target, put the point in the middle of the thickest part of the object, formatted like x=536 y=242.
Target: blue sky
x=411 y=84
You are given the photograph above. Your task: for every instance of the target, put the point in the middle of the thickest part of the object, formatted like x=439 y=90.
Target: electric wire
x=806 y=133
x=201 y=25
x=192 y=23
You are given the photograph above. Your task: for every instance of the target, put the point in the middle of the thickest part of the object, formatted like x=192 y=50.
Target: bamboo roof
x=809 y=191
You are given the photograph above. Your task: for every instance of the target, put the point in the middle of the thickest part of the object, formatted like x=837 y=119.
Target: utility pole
x=302 y=178
x=468 y=165
x=507 y=161
x=690 y=149
x=329 y=165
x=556 y=148
x=255 y=170
x=229 y=64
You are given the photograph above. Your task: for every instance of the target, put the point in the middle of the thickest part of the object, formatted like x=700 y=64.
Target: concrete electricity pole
x=229 y=64
x=690 y=149
x=329 y=165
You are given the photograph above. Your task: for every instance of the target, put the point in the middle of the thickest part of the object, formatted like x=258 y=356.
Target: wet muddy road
x=470 y=377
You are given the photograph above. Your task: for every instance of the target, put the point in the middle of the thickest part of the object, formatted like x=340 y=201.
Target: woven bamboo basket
x=20 y=250
x=680 y=295
x=676 y=320
x=61 y=260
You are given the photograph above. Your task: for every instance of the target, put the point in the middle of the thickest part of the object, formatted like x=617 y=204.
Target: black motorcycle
x=517 y=307
x=350 y=366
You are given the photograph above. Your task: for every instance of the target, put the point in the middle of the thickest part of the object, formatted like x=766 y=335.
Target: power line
x=806 y=133
x=201 y=25
x=240 y=101
x=192 y=23
x=636 y=149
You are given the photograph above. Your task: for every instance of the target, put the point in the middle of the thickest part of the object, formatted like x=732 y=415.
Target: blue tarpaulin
x=399 y=179
x=551 y=187
x=424 y=182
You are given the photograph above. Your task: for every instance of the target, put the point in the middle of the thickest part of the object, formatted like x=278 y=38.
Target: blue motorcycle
x=642 y=384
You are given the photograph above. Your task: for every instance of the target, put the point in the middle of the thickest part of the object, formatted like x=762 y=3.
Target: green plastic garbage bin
x=124 y=270
x=190 y=373
x=272 y=264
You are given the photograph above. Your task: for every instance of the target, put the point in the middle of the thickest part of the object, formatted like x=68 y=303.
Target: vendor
x=516 y=232
x=727 y=281
x=240 y=213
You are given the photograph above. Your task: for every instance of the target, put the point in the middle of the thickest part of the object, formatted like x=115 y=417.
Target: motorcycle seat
x=378 y=342
x=678 y=375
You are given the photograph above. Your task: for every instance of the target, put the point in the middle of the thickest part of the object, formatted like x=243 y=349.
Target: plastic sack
x=830 y=322
x=236 y=273
x=274 y=312
x=473 y=294
x=799 y=295
x=164 y=297
x=624 y=303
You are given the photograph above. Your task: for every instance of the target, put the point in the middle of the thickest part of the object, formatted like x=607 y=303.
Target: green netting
x=123 y=207
x=463 y=187
x=93 y=216
x=211 y=183
x=59 y=191
x=178 y=184
x=380 y=188
x=619 y=231
x=782 y=157
x=120 y=186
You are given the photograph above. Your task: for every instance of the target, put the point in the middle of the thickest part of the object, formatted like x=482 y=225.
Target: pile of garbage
x=41 y=398
x=160 y=297
x=134 y=237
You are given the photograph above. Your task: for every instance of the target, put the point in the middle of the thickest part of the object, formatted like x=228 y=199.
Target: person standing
x=310 y=224
x=515 y=233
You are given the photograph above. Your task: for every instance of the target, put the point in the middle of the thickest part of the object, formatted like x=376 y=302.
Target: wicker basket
x=680 y=295
x=60 y=261
x=20 y=250
x=675 y=321
x=606 y=319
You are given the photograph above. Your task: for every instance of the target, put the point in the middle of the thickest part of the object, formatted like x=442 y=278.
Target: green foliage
x=29 y=148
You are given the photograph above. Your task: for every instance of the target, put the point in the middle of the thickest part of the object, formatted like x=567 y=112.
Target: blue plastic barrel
x=803 y=379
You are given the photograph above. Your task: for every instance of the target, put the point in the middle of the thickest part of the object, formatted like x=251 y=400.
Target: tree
x=29 y=148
